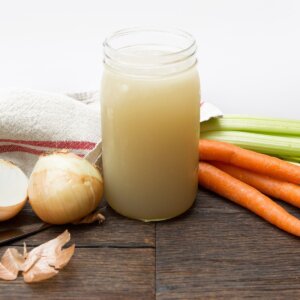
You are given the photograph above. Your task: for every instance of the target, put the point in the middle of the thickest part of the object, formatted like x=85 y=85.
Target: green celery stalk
x=264 y=143
x=252 y=124
x=290 y=158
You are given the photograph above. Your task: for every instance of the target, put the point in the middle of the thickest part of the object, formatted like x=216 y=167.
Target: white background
x=249 y=50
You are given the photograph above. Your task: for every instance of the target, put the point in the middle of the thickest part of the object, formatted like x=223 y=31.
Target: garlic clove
x=13 y=190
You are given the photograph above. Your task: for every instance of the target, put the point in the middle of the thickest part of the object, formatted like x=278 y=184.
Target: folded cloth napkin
x=34 y=122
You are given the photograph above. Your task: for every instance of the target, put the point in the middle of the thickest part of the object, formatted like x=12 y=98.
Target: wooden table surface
x=215 y=250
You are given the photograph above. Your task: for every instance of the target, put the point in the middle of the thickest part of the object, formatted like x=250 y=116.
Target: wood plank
x=220 y=250
x=116 y=231
x=94 y=273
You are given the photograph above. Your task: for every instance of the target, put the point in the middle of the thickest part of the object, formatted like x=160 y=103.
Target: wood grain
x=215 y=250
x=116 y=231
x=220 y=250
x=94 y=273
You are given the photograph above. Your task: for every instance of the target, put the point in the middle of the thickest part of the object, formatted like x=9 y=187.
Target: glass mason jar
x=150 y=98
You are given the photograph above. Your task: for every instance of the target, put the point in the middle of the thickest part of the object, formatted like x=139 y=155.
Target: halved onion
x=13 y=190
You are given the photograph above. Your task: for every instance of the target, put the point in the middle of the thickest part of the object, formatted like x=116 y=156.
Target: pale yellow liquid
x=150 y=131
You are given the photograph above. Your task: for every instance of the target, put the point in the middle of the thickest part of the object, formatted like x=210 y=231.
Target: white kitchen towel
x=34 y=122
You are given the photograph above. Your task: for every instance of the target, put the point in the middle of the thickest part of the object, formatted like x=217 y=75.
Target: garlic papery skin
x=13 y=190
x=64 y=188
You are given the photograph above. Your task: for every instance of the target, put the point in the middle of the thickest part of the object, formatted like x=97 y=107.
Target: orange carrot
x=243 y=194
x=250 y=160
x=285 y=191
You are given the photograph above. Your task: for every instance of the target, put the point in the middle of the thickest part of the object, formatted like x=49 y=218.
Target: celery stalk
x=290 y=158
x=294 y=163
x=252 y=124
x=264 y=143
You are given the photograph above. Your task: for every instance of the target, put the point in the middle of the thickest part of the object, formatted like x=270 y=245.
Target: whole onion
x=64 y=188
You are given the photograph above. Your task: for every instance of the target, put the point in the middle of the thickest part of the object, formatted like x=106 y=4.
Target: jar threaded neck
x=150 y=52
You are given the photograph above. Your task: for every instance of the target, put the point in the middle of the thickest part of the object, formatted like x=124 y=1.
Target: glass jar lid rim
x=165 y=30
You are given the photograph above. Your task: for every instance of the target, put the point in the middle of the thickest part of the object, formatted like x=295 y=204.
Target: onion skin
x=64 y=188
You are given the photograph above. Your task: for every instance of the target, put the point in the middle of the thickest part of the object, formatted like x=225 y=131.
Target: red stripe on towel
x=17 y=148
x=78 y=145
